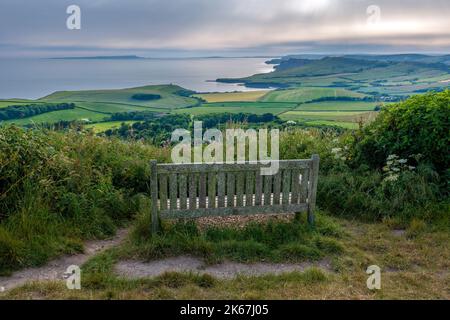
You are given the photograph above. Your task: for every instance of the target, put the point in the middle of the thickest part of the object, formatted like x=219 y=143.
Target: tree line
x=29 y=110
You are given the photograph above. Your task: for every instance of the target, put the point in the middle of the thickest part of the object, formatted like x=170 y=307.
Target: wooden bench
x=198 y=190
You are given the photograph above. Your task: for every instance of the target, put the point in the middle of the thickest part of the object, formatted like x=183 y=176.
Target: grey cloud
x=204 y=25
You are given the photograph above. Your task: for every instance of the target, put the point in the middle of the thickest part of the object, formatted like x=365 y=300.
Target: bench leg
x=155 y=221
x=311 y=217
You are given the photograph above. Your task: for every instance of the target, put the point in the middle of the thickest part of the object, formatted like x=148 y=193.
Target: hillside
x=397 y=75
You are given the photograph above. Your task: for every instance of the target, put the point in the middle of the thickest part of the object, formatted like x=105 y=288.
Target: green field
x=240 y=107
x=63 y=115
x=103 y=126
x=339 y=106
x=308 y=94
x=170 y=97
x=232 y=96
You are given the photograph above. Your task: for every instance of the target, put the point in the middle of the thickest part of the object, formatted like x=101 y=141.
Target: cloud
x=221 y=24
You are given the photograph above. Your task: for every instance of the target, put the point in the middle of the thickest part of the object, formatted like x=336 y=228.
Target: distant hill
x=404 y=58
x=383 y=75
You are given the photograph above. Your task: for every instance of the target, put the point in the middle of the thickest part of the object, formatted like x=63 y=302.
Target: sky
x=180 y=28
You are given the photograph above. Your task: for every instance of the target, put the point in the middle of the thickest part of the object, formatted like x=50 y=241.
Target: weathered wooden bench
x=197 y=190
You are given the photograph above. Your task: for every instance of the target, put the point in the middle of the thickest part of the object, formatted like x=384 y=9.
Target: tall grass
x=58 y=189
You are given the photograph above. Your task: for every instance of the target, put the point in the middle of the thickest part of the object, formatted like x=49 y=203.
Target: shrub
x=417 y=126
x=57 y=189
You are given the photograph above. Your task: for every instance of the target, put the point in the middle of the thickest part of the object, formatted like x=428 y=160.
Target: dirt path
x=227 y=270
x=55 y=269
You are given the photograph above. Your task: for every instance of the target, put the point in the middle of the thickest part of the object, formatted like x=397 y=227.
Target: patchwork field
x=232 y=96
x=103 y=126
x=240 y=107
x=307 y=94
x=171 y=97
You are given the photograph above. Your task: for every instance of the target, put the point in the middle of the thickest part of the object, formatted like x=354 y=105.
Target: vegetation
x=146 y=96
x=61 y=184
x=29 y=110
x=58 y=189
x=416 y=128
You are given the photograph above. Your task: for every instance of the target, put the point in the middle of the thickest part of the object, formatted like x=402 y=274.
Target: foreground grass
x=414 y=264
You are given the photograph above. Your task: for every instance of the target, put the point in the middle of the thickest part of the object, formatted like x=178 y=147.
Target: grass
x=349 y=106
x=412 y=267
x=336 y=116
x=65 y=115
x=342 y=124
x=170 y=98
x=275 y=241
x=303 y=94
x=103 y=126
x=238 y=107
x=233 y=96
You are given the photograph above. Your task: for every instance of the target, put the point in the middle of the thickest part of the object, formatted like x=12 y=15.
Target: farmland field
x=62 y=115
x=308 y=94
x=103 y=126
x=170 y=97
x=233 y=96
x=338 y=106
x=240 y=107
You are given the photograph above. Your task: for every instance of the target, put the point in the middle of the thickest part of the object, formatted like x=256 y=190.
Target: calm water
x=35 y=78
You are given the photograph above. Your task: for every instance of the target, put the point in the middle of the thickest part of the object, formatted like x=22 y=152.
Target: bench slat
x=182 y=180
x=229 y=167
x=212 y=177
x=173 y=191
x=163 y=191
x=304 y=186
x=295 y=186
x=230 y=189
x=202 y=190
x=221 y=189
x=192 y=191
x=258 y=188
x=286 y=186
x=240 y=181
x=249 y=183
x=277 y=187
x=267 y=190
x=234 y=211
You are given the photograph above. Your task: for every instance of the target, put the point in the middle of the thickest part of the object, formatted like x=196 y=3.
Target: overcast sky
x=222 y=27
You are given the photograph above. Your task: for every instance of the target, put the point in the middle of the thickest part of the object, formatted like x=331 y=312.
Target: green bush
x=418 y=126
x=57 y=189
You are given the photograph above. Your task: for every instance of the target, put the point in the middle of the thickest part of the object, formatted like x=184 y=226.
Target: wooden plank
x=304 y=186
x=267 y=190
x=277 y=187
x=230 y=189
x=258 y=188
x=154 y=195
x=286 y=186
x=295 y=185
x=163 y=191
x=193 y=191
x=212 y=180
x=313 y=178
x=173 y=191
x=240 y=180
x=182 y=181
x=235 y=211
x=202 y=190
x=249 y=186
x=221 y=184
x=229 y=167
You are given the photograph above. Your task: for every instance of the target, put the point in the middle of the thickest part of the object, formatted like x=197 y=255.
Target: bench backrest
x=196 y=190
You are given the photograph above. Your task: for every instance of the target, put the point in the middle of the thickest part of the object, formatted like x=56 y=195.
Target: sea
x=31 y=78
